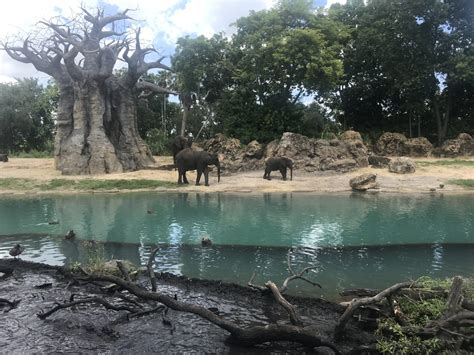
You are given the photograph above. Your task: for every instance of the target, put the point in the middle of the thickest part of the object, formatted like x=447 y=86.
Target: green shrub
x=158 y=142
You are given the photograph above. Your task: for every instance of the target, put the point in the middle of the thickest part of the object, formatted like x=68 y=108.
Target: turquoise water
x=354 y=240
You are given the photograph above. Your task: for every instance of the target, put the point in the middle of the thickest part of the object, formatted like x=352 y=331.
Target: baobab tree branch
x=153 y=88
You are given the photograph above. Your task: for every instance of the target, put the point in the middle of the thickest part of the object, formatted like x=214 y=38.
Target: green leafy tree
x=27 y=115
x=253 y=84
x=404 y=64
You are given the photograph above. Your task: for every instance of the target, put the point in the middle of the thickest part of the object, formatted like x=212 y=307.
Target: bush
x=158 y=142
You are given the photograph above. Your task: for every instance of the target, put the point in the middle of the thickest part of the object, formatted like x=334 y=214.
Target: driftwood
x=246 y=336
x=293 y=276
x=356 y=303
x=284 y=303
x=11 y=304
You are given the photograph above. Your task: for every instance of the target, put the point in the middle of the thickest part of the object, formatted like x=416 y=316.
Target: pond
x=356 y=240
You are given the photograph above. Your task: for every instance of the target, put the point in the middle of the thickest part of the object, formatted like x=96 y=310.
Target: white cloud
x=167 y=20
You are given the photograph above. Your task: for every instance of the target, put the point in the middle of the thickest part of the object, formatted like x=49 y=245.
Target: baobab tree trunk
x=97 y=129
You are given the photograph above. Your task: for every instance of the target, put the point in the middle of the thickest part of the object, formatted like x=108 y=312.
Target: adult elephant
x=278 y=163
x=179 y=143
x=189 y=159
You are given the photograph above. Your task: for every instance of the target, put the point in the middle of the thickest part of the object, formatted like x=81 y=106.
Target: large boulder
x=363 y=182
x=402 y=165
x=350 y=135
x=4 y=158
x=254 y=150
x=308 y=154
x=390 y=143
x=417 y=147
x=463 y=145
x=378 y=161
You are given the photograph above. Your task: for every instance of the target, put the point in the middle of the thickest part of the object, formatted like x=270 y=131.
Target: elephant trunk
x=218 y=171
x=291 y=173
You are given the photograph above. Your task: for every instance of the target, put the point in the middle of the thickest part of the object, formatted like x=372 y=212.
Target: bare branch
x=98 y=300
x=151 y=272
x=284 y=303
x=150 y=87
x=356 y=303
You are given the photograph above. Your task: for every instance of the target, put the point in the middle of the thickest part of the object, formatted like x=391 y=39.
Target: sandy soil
x=424 y=179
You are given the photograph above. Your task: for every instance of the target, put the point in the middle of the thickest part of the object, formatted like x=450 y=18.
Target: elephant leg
x=185 y=179
x=180 y=178
x=198 y=177
x=206 y=176
x=283 y=172
x=267 y=174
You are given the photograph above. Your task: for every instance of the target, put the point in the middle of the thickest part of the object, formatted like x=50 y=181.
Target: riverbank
x=91 y=328
x=38 y=176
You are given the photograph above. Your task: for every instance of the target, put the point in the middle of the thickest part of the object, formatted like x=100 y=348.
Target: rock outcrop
x=463 y=145
x=378 y=161
x=309 y=154
x=350 y=135
x=417 y=147
x=402 y=165
x=390 y=143
x=363 y=182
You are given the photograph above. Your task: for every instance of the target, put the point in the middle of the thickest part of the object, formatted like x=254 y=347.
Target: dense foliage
x=400 y=65
x=26 y=116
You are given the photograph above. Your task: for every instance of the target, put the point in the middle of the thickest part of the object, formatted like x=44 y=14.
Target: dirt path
x=425 y=178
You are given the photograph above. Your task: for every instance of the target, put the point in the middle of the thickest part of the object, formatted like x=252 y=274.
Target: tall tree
x=97 y=117
x=400 y=63
x=26 y=115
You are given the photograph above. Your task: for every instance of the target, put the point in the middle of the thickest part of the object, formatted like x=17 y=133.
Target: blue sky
x=162 y=22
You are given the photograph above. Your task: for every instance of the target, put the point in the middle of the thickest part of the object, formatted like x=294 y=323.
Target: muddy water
x=352 y=240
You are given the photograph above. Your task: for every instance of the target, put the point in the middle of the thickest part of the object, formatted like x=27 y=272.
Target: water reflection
x=251 y=232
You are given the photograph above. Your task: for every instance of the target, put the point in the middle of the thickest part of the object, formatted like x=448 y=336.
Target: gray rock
x=363 y=182
x=378 y=161
x=350 y=135
x=417 y=147
x=402 y=165
x=390 y=144
x=4 y=158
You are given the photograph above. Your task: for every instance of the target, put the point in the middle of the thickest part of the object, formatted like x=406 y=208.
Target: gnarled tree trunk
x=97 y=129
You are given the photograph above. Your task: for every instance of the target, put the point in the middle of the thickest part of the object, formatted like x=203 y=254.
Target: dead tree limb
x=59 y=306
x=294 y=319
x=123 y=271
x=151 y=272
x=293 y=276
x=245 y=336
x=356 y=303
x=11 y=304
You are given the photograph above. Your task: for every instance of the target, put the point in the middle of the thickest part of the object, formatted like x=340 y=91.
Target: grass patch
x=448 y=162
x=468 y=183
x=122 y=184
x=86 y=184
x=32 y=154
x=16 y=184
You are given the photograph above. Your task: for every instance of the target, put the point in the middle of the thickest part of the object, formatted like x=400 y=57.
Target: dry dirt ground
x=424 y=179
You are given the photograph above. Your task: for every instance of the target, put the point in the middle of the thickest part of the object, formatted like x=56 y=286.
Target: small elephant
x=179 y=143
x=189 y=159
x=278 y=163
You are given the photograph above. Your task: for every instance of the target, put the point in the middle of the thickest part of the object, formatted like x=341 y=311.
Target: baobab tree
x=97 y=117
